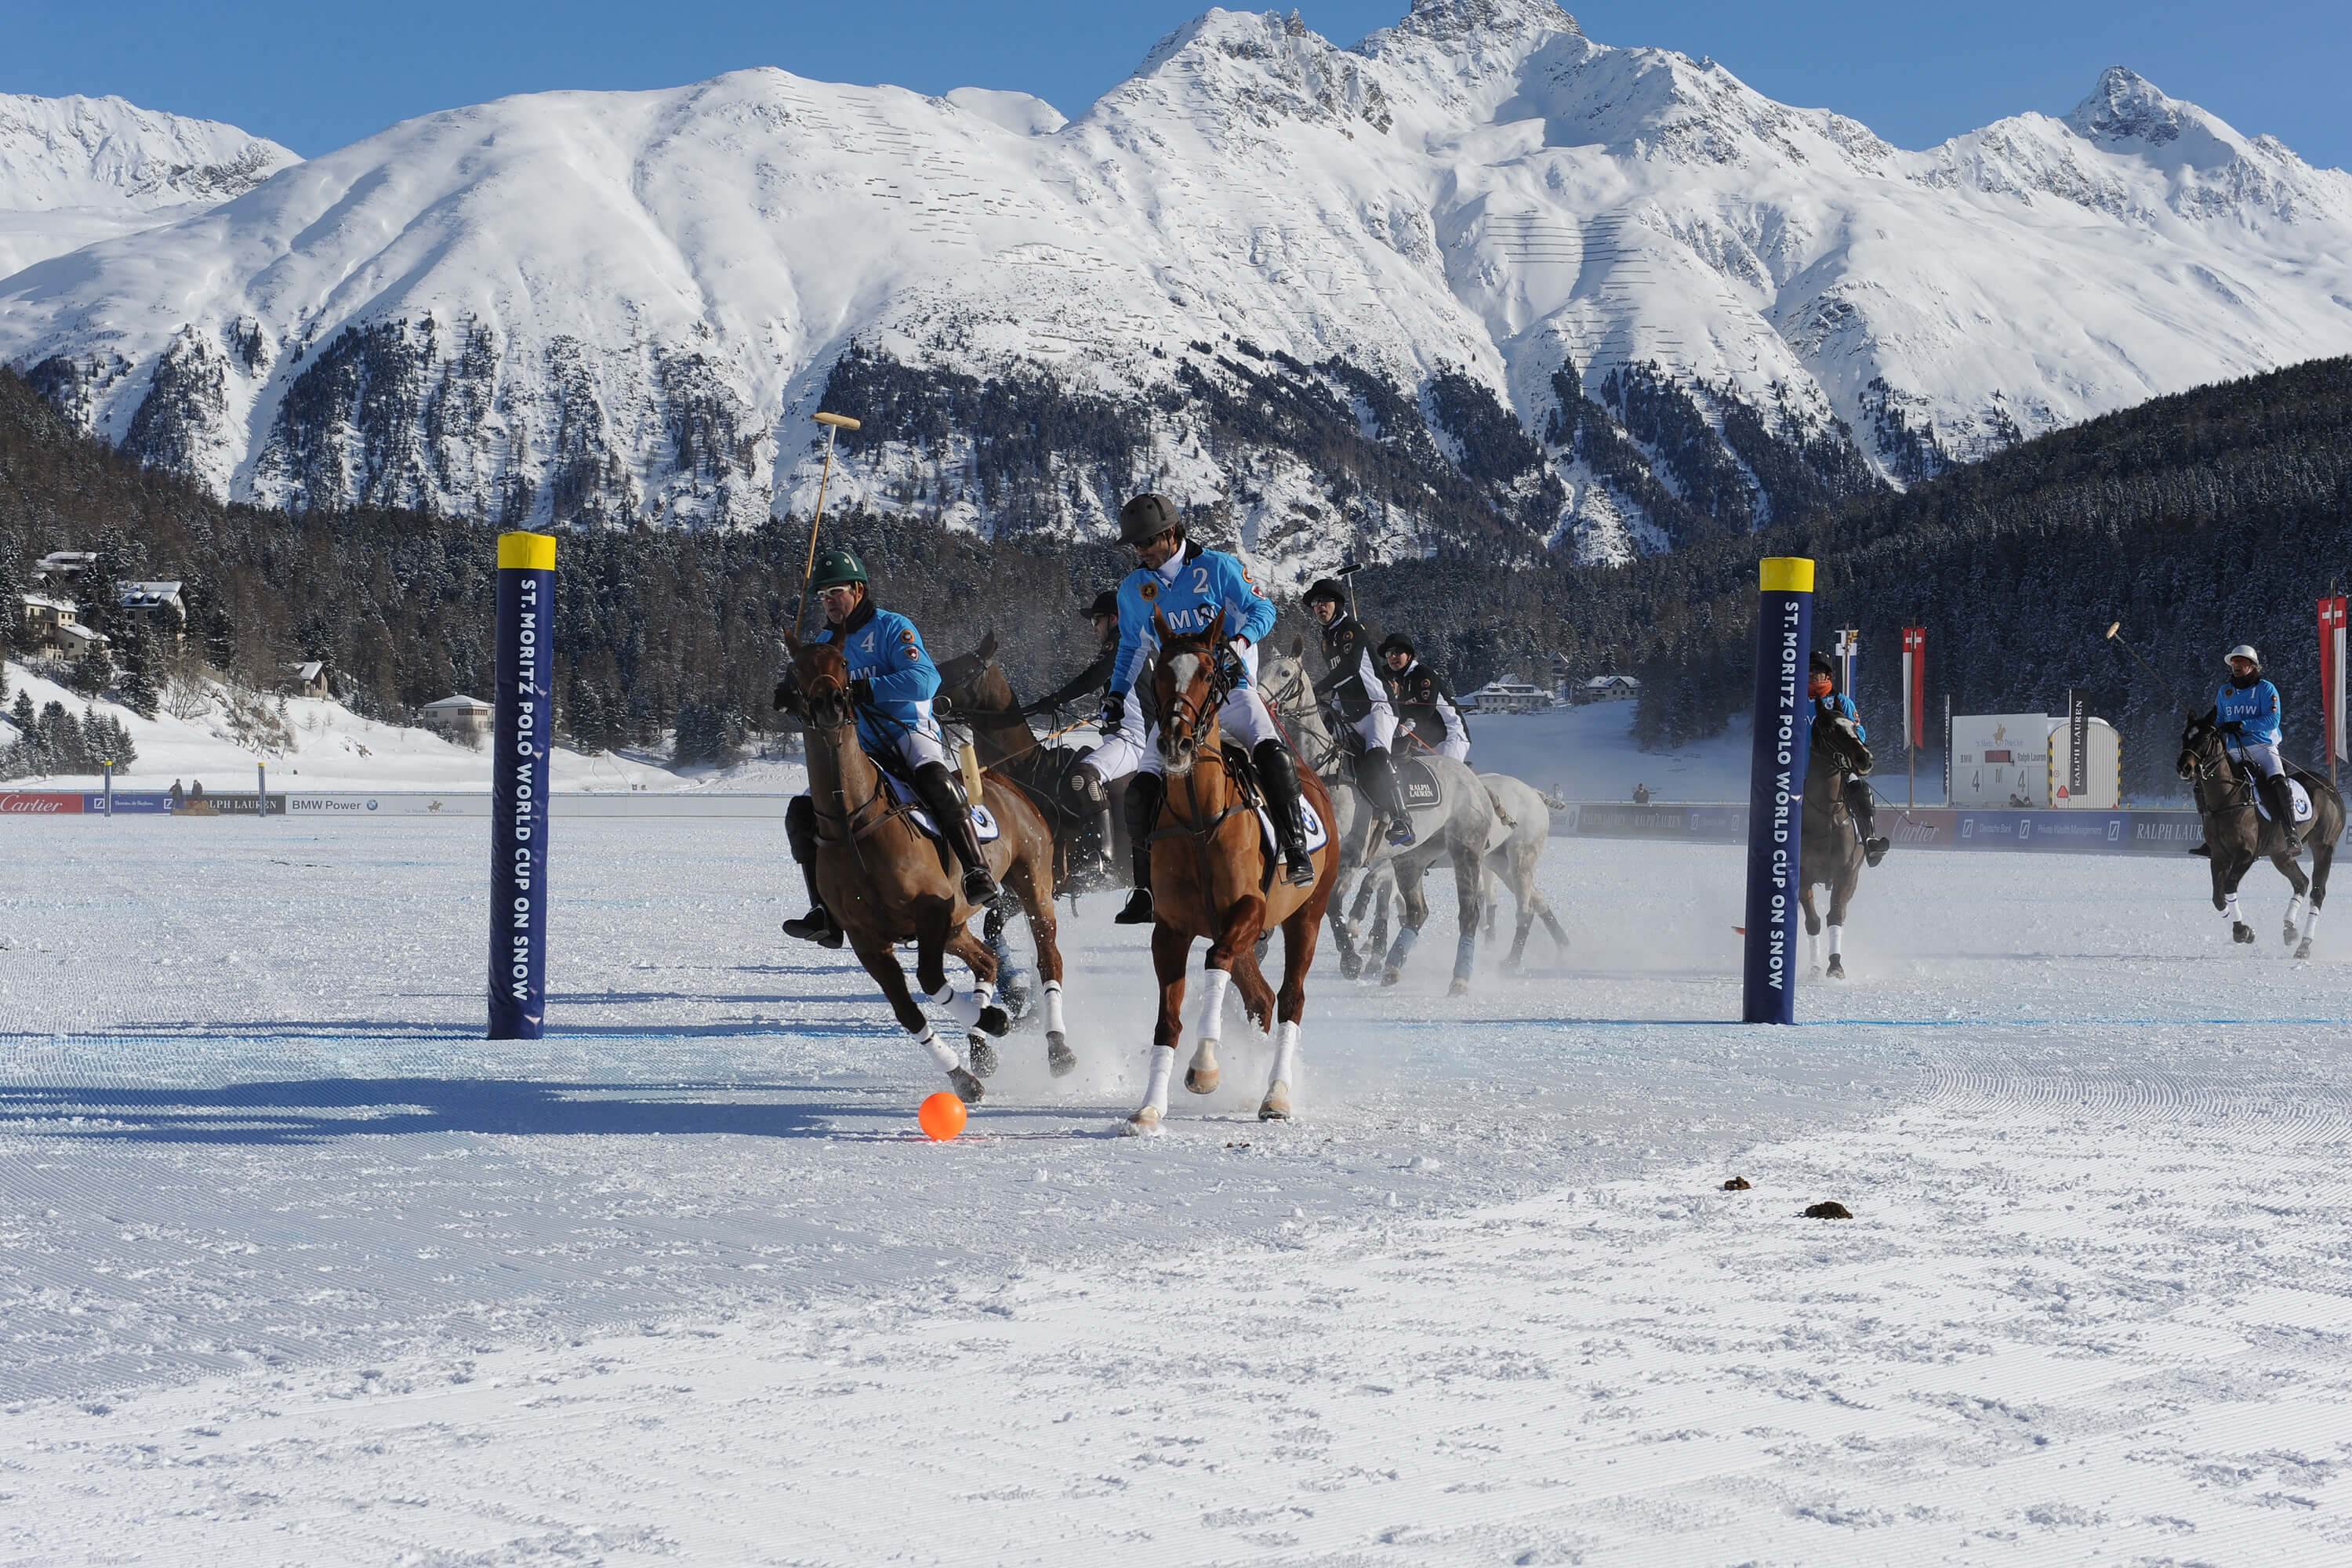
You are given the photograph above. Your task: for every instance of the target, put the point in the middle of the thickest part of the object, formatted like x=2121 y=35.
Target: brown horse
x=1213 y=877
x=887 y=881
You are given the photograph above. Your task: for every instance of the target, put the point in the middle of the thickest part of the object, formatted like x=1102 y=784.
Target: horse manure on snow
x=1831 y=1209
x=1737 y=1185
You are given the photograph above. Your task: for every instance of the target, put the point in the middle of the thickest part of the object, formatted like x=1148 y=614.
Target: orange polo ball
x=942 y=1117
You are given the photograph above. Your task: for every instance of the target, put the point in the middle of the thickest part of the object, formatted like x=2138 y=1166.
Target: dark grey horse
x=2239 y=835
x=1831 y=853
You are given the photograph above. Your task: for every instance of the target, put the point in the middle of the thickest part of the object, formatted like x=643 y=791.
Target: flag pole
x=831 y=421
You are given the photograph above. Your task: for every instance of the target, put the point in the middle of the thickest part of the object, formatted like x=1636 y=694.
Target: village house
x=56 y=628
x=466 y=719
x=1506 y=693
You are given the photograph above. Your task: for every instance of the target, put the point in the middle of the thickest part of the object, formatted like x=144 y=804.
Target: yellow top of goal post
x=1779 y=574
x=530 y=551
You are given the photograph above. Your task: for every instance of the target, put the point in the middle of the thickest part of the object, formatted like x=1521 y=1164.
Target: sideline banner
x=40 y=803
x=522 y=734
x=1776 y=786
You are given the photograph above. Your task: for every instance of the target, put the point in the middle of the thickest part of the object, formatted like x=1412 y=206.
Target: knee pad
x=799 y=828
x=1081 y=787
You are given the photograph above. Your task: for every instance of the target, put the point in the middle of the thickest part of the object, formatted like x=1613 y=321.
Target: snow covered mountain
x=1475 y=282
x=75 y=170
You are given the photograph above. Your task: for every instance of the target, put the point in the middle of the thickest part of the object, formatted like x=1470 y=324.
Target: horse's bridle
x=1194 y=714
x=2204 y=769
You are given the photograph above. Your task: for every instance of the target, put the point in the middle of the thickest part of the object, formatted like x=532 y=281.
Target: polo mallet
x=1347 y=574
x=2114 y=636
x=831 y=421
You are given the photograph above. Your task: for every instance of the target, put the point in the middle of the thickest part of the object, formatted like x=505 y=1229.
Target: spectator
x=1640 y=794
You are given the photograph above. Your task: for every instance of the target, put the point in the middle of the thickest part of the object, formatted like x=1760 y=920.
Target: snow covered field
x=296 y=1270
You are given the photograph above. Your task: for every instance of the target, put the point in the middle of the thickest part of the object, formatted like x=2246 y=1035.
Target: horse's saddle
x=983 y=821
x=1416 y=783
x=2294 y=788
x=1245 y=776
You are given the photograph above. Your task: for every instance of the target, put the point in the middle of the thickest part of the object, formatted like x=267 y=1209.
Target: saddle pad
x=983 y=821
x=2302 y=801
x=1416 y=783
x=1315 y=835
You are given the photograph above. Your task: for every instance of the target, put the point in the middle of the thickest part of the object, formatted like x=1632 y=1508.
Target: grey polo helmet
x=2246 y=651
x=1146 y=518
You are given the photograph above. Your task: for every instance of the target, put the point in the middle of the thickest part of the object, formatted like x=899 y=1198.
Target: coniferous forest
x=2198 y=520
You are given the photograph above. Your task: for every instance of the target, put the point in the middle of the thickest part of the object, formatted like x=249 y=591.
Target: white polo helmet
x=2246 y=651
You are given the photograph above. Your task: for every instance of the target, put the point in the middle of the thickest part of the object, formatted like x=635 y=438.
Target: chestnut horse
x=1213 y=877
x=887 y=881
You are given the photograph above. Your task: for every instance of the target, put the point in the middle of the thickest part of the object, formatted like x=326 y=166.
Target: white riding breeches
x=1378 y=728
x=916 y=747
x=1455 y=746
x=1243 y=719
x=2263 y=756
x=1121 y=752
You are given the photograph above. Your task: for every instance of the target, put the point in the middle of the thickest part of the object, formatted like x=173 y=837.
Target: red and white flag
x=2331 y=676
x=1915 y=685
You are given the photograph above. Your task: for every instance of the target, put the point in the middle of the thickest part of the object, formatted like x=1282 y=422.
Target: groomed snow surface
x=297 y=1269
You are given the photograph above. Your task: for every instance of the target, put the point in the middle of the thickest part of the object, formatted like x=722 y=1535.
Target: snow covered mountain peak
x=74 y=170
x=105 y=153
x=1474 y=282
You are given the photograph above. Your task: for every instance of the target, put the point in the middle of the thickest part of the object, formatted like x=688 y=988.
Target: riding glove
x=1114 y=711
x=861 y=691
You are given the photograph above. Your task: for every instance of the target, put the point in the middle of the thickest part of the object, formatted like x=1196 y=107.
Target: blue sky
x=319 y=74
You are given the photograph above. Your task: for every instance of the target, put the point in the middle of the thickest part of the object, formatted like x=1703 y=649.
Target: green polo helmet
x=836 y=569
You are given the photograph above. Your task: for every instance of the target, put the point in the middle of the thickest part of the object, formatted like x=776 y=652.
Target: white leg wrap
x=1813 y=940
x=2293 y=908
x=965 y=1010
x=1163 y=1064
x=942 y=1052
x=2231 y=911
x=1213 y=985
x=1054 y=1008
x=1285 y=1055
x=1837 y=941
x=2310 y=922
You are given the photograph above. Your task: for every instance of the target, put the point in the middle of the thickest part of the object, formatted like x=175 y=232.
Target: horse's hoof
x=967 y=1087
x=1276 y=1105
x=2304 y=950
x=984 y=1056
x=1350 y=967
x=1143 y=1123
x=1392 y=974
x=2289 y=937
x=1460 y=987
x=2242 y=933
x=1058 y=1055
x=1200 y=1082
x=1837 y=967
x=994 y=1020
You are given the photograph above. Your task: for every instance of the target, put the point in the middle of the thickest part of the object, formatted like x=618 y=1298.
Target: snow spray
x=522 y=739
x=1776 y=786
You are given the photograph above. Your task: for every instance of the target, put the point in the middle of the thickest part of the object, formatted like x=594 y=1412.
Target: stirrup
x=2204 y=849
x=1874 y=850
x=978 y=886
x=1299 y=867
x=817 y=926
x=1137 y=909
x=1400 y=833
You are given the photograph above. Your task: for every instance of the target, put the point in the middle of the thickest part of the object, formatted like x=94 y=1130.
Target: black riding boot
x=1865 y=812
x=2280 y=797
x=1144 y=793
x=1277 y=774
x=943 y=797
x=1380 y=786
x=800 y=831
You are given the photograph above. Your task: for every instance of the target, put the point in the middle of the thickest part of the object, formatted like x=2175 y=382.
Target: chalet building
x=1507 y=694
x=57 y=631
x=1605 y=688
x=461 y=719
x=159 y=602
x=307 y=680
